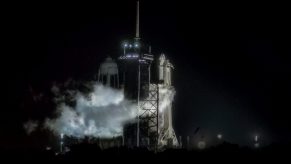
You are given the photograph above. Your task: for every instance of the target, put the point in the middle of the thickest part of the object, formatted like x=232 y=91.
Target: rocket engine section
x=108 y=73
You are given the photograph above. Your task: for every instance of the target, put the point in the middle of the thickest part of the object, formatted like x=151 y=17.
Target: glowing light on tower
x=219 y=136
x=61 y=142
x=256 y=139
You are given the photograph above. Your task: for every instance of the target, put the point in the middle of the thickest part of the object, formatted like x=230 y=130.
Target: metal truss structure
x=149 y=117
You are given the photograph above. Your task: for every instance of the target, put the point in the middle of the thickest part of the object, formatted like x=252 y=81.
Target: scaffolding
x=149 y=118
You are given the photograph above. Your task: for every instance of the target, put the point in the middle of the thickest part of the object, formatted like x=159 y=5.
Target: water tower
x=108 y=73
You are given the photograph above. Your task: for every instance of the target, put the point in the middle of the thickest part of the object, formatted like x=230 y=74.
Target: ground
x=223 y=152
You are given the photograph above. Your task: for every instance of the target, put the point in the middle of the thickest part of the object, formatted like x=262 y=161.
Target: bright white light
x=219 y=136
x=125 y=45
x=131 y=56
x=256 y=138
x=130 y=45
x=62 y=135
x=136 y=45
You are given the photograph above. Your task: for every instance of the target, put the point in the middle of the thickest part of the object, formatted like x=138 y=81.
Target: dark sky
x=232 y=61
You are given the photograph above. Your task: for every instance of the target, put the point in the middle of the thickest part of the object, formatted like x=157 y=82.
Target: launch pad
x=145 y=80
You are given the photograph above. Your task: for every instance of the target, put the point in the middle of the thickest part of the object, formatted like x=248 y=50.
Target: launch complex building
x=143 y=77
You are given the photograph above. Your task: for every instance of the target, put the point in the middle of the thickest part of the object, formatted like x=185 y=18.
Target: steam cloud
x=101 y=114
x=166 y=97
x=30 y=126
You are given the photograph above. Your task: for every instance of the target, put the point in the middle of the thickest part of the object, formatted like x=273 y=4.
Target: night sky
x=232 y=61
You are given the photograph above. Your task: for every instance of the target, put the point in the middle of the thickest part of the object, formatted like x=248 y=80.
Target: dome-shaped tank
x=108 y=73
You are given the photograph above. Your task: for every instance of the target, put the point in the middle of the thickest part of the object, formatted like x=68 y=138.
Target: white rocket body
x=167 y=135
x=165 y=71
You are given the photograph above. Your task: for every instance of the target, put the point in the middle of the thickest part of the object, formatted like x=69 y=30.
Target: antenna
x=138 y=90
x=137 y=22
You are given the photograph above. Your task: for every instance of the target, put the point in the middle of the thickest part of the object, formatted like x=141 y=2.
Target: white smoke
x=30 y=126
x=166 y=95
x=101 y=114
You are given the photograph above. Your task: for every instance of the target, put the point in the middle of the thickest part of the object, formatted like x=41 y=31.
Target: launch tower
x=144 y=79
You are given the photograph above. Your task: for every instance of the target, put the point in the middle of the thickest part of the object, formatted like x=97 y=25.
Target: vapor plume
x=30 y=126
x=166 y=96
x=102 y=113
